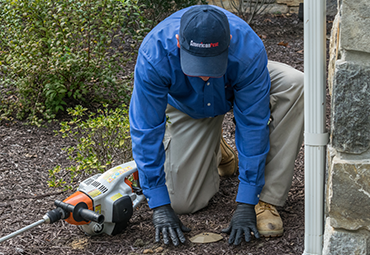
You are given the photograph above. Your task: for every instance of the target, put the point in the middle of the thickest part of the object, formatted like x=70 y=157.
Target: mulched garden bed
x=28 y=152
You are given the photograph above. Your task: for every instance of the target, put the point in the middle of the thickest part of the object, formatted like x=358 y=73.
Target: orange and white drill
x=103 y=203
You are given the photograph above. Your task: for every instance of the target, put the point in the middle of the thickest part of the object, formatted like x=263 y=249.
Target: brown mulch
x=28 y=152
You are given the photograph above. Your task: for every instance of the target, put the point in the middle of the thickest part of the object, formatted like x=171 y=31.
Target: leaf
x=282 y=43
x=48 y=92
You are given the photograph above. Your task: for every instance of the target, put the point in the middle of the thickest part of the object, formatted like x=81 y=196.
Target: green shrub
x=157 y=10
x=55 y=52
x=102 y=140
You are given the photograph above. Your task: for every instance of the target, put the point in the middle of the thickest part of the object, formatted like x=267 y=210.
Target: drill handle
x=80 y=212
x=89 y=215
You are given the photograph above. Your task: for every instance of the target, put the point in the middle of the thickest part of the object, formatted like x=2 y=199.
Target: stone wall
x=347 y=229
x=279 y=6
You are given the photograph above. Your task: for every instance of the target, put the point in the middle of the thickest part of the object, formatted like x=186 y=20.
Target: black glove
x=166 y=221
x=243 y=221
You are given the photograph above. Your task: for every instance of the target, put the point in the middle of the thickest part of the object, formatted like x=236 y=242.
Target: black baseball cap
x=204 y=41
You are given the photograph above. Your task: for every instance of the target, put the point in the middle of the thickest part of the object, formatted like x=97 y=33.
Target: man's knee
x=296 y=79
x=285 y=77
x=295 y=82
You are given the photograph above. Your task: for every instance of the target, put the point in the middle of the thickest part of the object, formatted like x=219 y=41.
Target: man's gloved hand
x=243 y=221
x=166 y=221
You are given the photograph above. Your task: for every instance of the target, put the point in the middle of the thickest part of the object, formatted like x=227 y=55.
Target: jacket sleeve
x=252 y=113
x=147 y=127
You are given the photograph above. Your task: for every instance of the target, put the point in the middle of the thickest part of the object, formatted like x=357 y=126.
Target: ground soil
x=28 y=152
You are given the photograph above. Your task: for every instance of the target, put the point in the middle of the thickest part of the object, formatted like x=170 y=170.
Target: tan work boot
x=269 y=223
x=229 y=163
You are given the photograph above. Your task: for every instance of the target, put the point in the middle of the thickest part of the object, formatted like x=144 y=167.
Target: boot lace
x=265 y=206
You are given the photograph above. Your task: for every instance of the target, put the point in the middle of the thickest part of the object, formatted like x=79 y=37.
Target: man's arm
x=252 y=113
x=147 y=124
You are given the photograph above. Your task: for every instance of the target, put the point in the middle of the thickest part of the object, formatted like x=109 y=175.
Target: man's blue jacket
x=159 y=81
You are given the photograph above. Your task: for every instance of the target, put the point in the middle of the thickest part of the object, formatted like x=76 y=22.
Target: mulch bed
x=28 y=152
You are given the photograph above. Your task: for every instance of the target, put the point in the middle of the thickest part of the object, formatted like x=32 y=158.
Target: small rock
x=260 y=245
x=19 y=250
x=79 y=244
x=159 y=249
x=139 y=243
x=148 y=251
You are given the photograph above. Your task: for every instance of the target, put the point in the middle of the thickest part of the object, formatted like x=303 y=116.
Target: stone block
x=345 y=242
x=277 y=8
x=331 y=7
x=348 y=195
x=333 y=52
x=350 y=108
x=355 y=29
x=270 y=8
x=290 y=2
x=293 y=9
x=222 y=3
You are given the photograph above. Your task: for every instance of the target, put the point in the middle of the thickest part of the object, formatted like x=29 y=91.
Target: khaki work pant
x=193 y=146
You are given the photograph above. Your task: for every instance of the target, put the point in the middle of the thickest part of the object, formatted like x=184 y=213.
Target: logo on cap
x=203 y=45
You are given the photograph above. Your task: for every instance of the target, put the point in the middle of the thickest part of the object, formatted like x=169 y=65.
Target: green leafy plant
x=101 y=140
x=59 y=53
